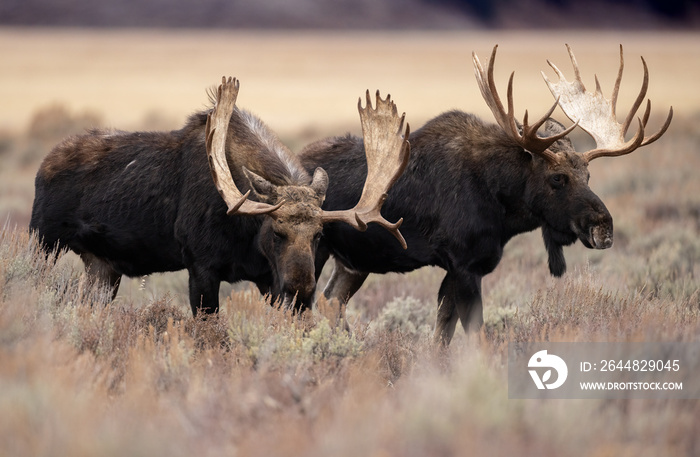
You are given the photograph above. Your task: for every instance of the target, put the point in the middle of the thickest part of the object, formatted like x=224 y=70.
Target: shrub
x=670 y=263
x=408 y=316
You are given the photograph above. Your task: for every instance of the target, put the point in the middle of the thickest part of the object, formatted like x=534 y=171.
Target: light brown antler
x=596 y=115
x=215 y=134
x=387 y=150
x=528 y=140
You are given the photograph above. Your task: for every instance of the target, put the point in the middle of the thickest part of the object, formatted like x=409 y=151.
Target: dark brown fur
x=467 y=190
x=135 y=203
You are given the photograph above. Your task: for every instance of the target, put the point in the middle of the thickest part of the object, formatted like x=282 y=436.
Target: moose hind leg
x=344 y=282
x=341 y=286
x=102 y=272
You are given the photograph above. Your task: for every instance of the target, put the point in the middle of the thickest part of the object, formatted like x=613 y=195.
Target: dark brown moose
x=471 y=186
x=137 y=203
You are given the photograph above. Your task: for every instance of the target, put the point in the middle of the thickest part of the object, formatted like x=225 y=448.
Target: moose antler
x=387 y=150
x=596 y=115
x=215 y=134
x=528 y=140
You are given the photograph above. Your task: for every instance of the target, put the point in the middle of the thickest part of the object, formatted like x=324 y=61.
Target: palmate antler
x=596 y=115
x=215 y=134
x=387 y=150
x=528 y=140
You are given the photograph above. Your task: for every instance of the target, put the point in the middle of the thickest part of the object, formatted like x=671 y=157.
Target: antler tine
x=215 y=140
x=657 y=135
x=387 y=150
x=596 y=115
x=647 y=111
x=487 y=86
x=618 y=80
x=640 y=98
x=577 y=72
x=528 y=140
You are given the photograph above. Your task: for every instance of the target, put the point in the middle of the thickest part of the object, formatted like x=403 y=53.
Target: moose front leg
x=459 y=297
x=204 y=291
x=102 y=272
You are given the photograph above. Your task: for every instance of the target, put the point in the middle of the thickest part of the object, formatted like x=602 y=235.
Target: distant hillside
x=354 y=14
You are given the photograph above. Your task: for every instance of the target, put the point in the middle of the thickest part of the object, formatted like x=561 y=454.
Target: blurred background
x=354 y=14
x=70 y=65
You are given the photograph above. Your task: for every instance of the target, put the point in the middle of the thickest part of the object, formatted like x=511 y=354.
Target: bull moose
x=471 y=186
x=143 y=202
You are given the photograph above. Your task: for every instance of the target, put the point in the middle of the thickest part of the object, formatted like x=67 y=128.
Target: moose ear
x=319 y=183
x=262 y=188
x=553 y=127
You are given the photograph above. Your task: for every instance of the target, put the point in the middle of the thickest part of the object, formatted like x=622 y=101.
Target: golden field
x=83 y=377
x=309 y=80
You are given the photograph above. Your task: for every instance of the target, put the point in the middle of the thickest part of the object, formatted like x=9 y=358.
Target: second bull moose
x=471 y=186
x=221 y=197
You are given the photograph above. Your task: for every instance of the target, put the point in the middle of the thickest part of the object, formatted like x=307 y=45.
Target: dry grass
x=84 y=377
x=80 y=376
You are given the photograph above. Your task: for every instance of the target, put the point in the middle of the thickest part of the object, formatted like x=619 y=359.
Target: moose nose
x=300 y=295
x=600 y=226
x=602 y=236
x=302 y=286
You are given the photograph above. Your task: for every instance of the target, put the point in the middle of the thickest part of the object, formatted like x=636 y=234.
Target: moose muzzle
x=601 y=236
x=595 y=232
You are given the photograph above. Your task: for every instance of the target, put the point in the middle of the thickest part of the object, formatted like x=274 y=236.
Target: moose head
x=557 y=190
x=293 y=217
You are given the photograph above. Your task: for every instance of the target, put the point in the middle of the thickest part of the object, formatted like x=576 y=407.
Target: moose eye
x=557 y=181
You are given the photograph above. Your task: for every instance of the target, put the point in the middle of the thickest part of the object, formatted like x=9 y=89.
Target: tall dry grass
x=81 y=376
x=139 y=376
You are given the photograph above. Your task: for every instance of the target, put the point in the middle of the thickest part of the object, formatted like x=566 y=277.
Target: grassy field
x=81 y=376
